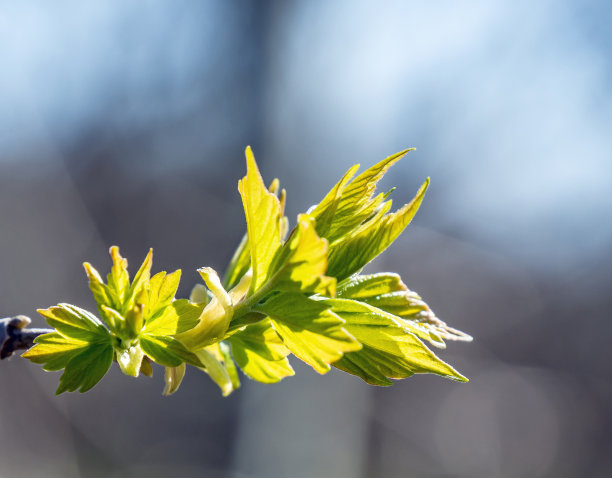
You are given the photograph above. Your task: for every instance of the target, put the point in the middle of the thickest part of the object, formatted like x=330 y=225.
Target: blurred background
x=125 y=123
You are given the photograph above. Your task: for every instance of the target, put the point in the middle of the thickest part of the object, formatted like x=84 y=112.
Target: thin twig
x=14 y=335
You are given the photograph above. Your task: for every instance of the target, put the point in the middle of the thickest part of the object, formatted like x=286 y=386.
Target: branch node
x=14 y=335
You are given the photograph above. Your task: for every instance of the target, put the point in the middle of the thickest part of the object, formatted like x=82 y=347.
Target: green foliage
x=260 y=352
x=309 y=329
x=81 y=345
x=300 y=293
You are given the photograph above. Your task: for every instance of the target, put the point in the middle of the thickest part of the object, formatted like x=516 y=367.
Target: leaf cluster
x=298 y=292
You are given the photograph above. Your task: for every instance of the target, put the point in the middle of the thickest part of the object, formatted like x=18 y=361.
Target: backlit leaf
x=166 y=350
x=213 y=365
x=239 y=264
x=118 y=279
x=141 y=279
x=309 y=329
x=363 y=287
x=263 y=211
x=389 y=350
x=350 y=253
x=352 y=201
x=214 y=320
x=130 y=360
x=180 y=316
x=161 y=291
x=101 y=292
x=230 y=366
x=301 y=263
x=260 y=353
x=241 y=260
x=387 y=292
x=74 y=322
x=86 y=369
x=54 y=351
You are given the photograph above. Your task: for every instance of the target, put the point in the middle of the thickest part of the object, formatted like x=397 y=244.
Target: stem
x=246 y=310
x=244 y=307
x=247 y=304
x=14 y=335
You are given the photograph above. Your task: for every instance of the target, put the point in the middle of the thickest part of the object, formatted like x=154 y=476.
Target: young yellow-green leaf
x=81 y=345
x=130 y=360
x=301 y=263
x=230 y=366
x=167 y=351
x=239 y=291
x=362 y=287
x=403 y=303
x=263 y=212
x=324 y=211
x=239 y=264
x=309 y=329
x=374 y=313
x=113 y=318
x=260 y=353
x=200 y=295
x=141 y=279
x=241 y=260
x=387 y=292
x=86 y=369
x=161 y=291
x=120 y=299
x=118 y=279
x=54 y=351
x=178 y=317
x=76 y=323
x=375 y=366
x=350 y=253
x=389 y=350
x=101 y=292
x=350 y=203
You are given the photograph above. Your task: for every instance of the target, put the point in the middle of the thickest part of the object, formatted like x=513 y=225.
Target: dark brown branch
x=14 y=335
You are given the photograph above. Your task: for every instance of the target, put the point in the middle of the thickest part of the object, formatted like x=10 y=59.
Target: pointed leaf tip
x=250 y=159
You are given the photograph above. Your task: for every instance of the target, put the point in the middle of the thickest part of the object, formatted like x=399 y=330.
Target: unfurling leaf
x=215 y=318
x=353 y=251
x=173 y=378
x=220 y=367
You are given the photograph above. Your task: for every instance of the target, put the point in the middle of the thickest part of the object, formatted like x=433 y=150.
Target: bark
x=15 y=335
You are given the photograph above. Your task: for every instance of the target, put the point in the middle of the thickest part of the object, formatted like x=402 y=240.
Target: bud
x=130 y=360
x=146 y=367
x=199 y=294
x=173 y=378
x=133 y=321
